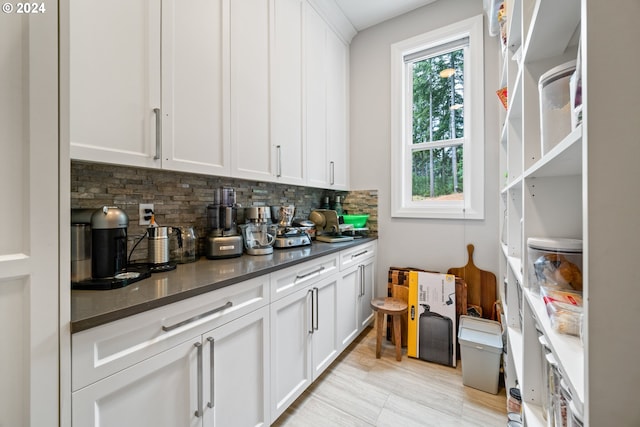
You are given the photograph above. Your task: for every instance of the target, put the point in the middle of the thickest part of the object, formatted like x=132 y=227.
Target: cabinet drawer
x=104 y=350
x=289 y=280
x=356 y=255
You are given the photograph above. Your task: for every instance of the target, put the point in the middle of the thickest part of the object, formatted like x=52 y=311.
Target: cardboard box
x=398 y=276
x=432 y=317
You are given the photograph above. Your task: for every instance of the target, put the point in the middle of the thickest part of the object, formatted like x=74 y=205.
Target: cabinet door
x=286 y=91
x=337 y=116
x=34 y=348
x=316 y=101
x=326 y=101
x=195 y=97
x=291 y=331
x=237 y=372
x=367 y=274
x=115 y=81
x=160 y=391
x=325 y=345
x=249 y=32
x=349 y=293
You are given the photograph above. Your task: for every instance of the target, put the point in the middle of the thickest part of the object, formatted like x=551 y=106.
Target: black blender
x=223 y=240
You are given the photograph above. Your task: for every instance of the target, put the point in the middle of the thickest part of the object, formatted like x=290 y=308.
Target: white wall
x=422 y=243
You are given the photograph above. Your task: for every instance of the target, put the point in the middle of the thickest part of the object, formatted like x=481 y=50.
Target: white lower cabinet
x=159 y=392
x=365 y=312
x=215 y=379
x=237 y=356
x=203 y=361
x=236 y=372
x=303 y=340
x=355 y=292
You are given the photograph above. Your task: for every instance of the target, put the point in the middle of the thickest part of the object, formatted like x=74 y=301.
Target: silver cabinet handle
x=361 y=274
x=304 y=276
x=199 y=410
x=198 y=317
x=158 y=114
x=359 y=254
x=332 y=172
x=212 y=374
x=317 y=309
x=310 y=291
x=279 y=158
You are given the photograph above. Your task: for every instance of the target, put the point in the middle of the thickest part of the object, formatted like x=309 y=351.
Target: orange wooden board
x=481 y=285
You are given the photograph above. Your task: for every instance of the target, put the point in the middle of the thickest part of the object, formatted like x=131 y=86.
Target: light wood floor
x=360 y=390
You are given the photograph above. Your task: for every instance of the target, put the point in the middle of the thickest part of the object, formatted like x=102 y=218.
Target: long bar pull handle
x=199 y=410
x=359 y=254
x=360 y=277
x=332 y=172
x=158 y=114
x=310 y=291
x=279 y=170
x=198 y=317
x=212 y=374
x=318 y=271
x=317 y=310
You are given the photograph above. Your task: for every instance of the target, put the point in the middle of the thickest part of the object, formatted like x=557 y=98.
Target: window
x=437 y=123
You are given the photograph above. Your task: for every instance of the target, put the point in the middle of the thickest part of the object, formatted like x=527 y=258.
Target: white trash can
x=480 y=350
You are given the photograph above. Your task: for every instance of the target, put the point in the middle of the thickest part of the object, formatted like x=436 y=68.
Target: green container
x=358 y=221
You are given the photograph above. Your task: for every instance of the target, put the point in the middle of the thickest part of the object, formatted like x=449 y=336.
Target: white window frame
x=402 y=205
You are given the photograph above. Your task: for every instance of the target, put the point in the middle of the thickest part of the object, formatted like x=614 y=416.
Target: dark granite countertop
x=94 y=308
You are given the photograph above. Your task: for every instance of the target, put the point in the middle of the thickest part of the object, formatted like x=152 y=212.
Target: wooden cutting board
x=481 y=285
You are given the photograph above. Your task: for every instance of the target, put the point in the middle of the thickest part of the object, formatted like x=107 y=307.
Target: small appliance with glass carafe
x=183 y=247
x=259 y=233
x=223 y=240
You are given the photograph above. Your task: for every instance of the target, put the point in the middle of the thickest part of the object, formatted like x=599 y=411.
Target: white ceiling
x=366 y=13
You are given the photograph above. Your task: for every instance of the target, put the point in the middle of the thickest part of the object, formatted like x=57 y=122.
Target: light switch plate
x=145 y=211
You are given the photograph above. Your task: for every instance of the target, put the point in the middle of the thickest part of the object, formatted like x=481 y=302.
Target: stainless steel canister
x=80 y=252
x=158 y=245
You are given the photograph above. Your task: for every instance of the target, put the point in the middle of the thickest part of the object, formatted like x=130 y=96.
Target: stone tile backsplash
x=181 y=199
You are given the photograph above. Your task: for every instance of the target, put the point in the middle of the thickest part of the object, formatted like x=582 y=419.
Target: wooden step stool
x=395 y=308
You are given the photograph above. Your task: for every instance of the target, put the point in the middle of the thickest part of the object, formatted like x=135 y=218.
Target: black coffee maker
x=108 y=241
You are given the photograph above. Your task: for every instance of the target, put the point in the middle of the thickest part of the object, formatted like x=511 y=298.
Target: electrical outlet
x=146 y=211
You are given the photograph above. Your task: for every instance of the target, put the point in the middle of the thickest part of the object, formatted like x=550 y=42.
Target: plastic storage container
x=555 y=263
x=480 y=350
x=555 y=105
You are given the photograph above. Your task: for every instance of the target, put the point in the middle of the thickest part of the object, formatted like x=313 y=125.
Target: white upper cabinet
x=128 y=106
x=326 y=104
x=337 y=111
x=195 y=86
x=316 y=102
x=115 y=81
x=287 y=141
x=266 y=90
x=253 y=89
x=249 y=34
